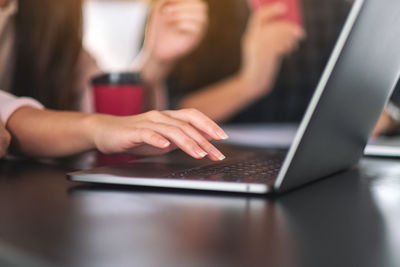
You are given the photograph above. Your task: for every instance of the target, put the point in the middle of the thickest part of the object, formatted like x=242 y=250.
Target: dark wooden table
x=351 y=219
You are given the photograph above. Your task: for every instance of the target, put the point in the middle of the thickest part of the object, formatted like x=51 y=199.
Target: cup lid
x=118 y=78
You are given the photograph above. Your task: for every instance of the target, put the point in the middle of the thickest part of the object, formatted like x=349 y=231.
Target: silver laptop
x=353 y=90
x=384 y=146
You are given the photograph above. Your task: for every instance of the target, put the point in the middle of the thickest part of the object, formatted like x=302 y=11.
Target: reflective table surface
x=350 y=219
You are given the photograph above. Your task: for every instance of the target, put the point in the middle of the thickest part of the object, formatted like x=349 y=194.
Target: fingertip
x=214 y=158
x=271 y=11
x=222 y=135
x=164 y=143
x=280 y=7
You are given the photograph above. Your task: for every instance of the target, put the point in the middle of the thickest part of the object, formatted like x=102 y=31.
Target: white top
x=10 y=103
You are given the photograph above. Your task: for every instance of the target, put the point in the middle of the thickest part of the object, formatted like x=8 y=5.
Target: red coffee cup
x=119 y=94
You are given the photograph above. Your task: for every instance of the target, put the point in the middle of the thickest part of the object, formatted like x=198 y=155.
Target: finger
x=189 y=28
x=187 y=25
x=269 y=12
x=190 y=17
x=148 y=150
x=296 y=31
x=182 y=8
x=263 y=15
x=189 y=130
x=186 y=6
x=153 y=138
x=287 y=29
x=206 y=136
x=200 y=121
x=179 y=138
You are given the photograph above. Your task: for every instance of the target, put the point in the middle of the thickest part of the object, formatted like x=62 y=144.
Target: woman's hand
x=175 y=28
x=5 y=140
x=385 y=125
x=157 y=132
x=3 y=3
x=267 y=40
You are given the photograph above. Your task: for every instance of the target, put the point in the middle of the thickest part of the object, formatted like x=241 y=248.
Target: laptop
x=383 y=146
x=353 y=90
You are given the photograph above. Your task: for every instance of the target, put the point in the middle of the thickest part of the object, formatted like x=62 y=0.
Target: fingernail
x=218 y=154
x=222 y=135
x=165 y=143
x=200 y=153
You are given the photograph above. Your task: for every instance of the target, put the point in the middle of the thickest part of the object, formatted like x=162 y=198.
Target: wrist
x=259 y=80
x=154 y=71
x=91 y=126
x=244 y=88
x=250 y=85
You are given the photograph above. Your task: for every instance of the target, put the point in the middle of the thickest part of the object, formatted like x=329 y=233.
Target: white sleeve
x=10 y=103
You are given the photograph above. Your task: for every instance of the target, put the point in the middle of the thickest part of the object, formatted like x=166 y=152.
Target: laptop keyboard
x=252 y=170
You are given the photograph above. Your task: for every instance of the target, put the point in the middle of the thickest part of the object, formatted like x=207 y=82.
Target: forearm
x=45 y=133
x=156 y=97
x=222 y=100
x=154 y=75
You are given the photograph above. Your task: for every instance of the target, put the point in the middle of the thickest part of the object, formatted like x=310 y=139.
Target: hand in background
x=267 y=40
x=385 y=125
x=3 y=3
x=174 y=29
x=5 y=140
x=158 y=132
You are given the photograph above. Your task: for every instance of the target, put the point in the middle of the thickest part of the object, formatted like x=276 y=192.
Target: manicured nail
x=164 y=143
x=222 y=135
x=203 y=154
x=200 y=153
x=218 y=154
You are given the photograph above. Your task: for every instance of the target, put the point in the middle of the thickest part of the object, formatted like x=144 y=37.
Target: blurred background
x=113 y=31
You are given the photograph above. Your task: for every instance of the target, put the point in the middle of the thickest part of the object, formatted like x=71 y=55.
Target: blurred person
x=41 y=57
x=46 y=60
x=260 y=72
x=278 y=89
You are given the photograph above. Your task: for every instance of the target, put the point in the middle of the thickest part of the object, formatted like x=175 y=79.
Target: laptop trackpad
x=152 y=167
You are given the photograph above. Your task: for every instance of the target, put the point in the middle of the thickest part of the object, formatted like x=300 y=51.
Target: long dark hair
x=48 y=44
x=219 y=54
